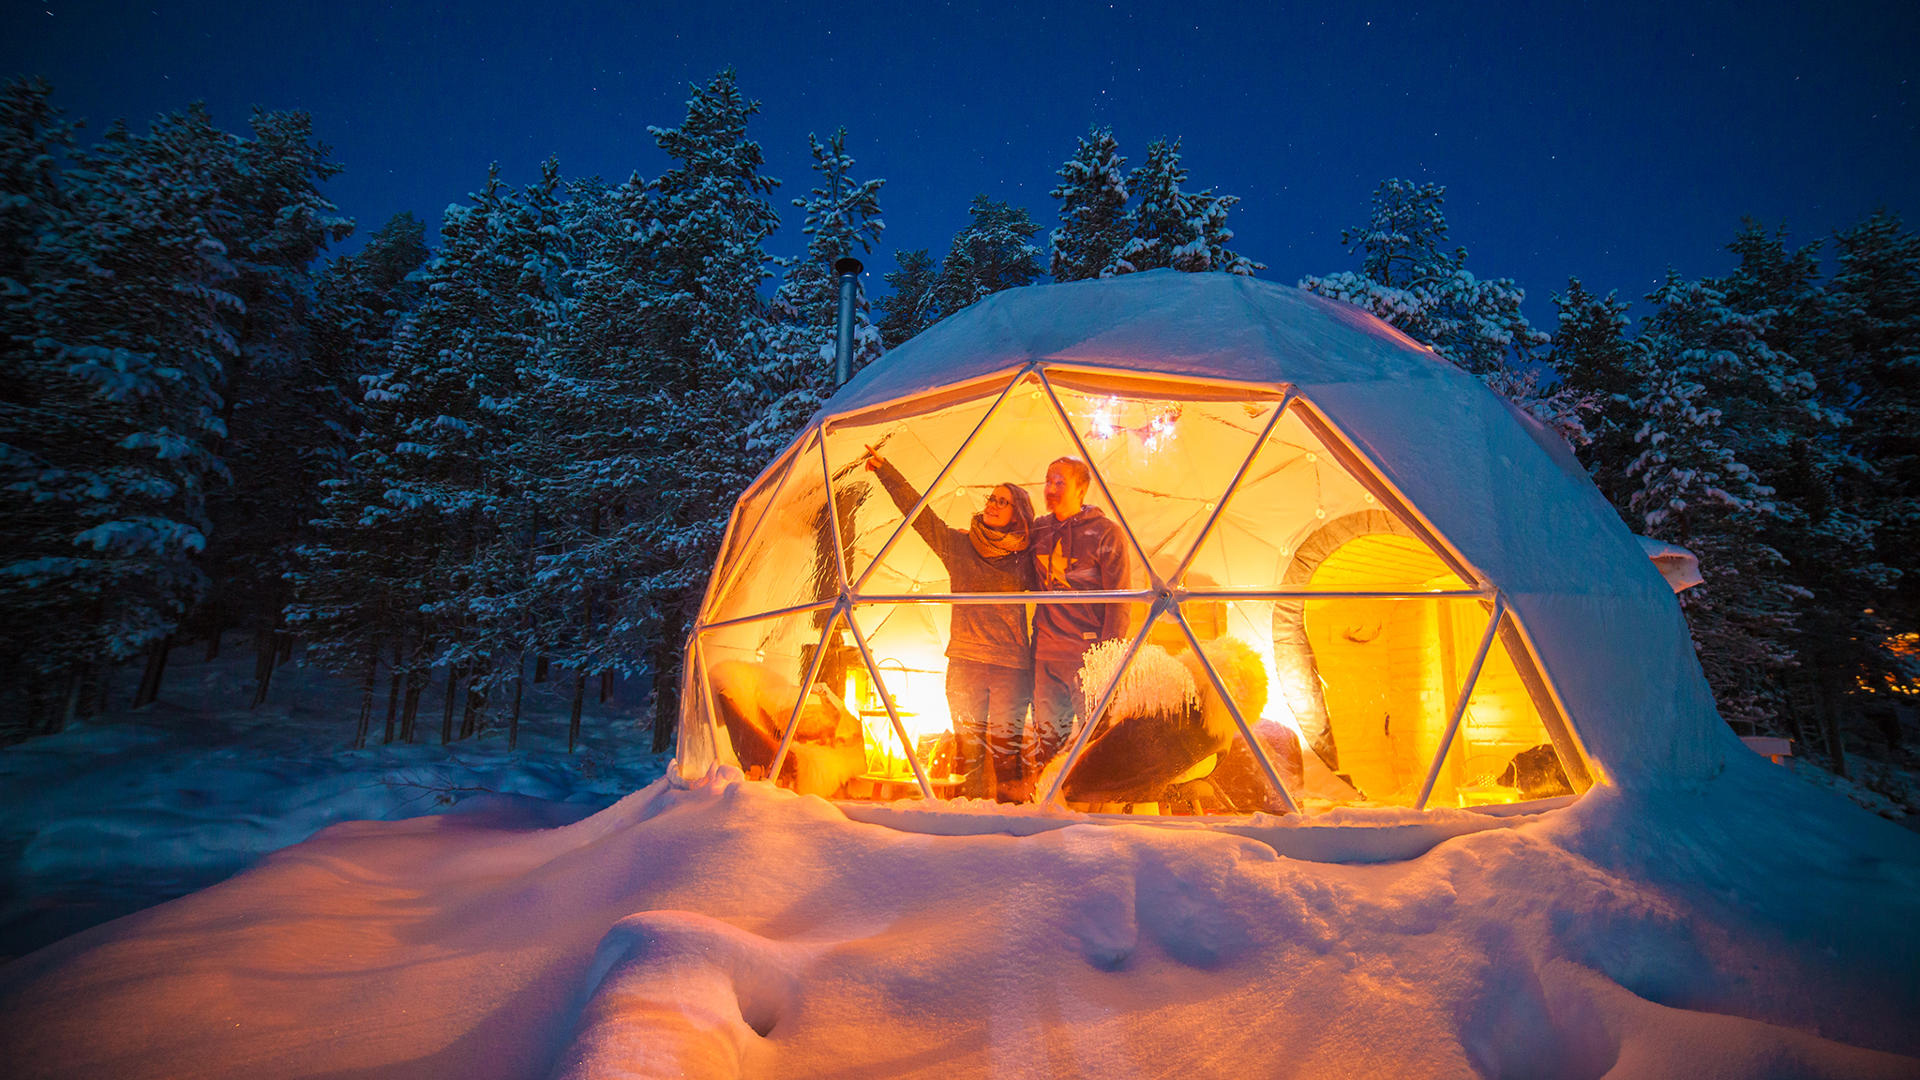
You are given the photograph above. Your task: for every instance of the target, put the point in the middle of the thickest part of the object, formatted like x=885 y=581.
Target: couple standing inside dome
x=996 y=663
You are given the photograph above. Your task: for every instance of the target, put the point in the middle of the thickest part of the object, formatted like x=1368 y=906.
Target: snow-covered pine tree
x=1403 y=243
x=1409 y=279
x=585 y=610
x=533 y=252
x=794 y=373
x=114 y=407
x=590 y=607
x=279 y=410
x=701 y=310
x=1830 y=537
x=338 y=599
x=1093 y=210
x=1871 y=368
x=1694 y=492
x=375 y=566
x=993 y=252
x=1170 y=227
x=34 y=138
x=1160 y=221
x=51 y=642
x=908 y=307
x=1709 y=396
x=357 y=299
x=1598 y=362
x=436 y=479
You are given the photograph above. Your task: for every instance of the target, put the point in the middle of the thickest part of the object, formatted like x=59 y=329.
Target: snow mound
x=674 y=993
x=1749 y=927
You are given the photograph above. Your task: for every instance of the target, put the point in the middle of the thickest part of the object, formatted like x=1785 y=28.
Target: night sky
x=1604 y=140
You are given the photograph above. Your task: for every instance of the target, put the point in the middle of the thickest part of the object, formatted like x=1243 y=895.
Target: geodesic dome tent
x=1354 y=576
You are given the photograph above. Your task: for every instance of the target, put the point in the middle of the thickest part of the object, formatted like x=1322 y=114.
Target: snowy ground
x=135 y=808
x=1892 y=791
x=1755 y=926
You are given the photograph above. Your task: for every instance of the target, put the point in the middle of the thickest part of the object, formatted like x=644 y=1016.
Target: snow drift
x=729 y=928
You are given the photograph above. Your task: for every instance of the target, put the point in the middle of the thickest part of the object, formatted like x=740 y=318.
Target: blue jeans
x=1056 y=701
x=989 y=707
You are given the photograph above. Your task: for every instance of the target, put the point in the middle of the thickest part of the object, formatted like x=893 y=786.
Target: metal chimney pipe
x=848 y=271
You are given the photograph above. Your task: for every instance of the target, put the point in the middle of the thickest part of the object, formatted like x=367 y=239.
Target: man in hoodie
x=1075 y=547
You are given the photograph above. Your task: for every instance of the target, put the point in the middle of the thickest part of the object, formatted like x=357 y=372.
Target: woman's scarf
x=992 y=543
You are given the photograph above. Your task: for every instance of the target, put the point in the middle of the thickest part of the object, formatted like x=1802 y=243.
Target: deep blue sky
x=1606 y=140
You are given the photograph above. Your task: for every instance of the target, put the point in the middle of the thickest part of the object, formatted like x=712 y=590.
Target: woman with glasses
x=989 y=656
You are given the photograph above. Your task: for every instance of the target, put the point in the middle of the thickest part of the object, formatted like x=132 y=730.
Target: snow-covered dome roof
x=1366 y=454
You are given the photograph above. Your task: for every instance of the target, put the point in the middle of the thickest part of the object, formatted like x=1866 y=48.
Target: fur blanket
x=753 y=704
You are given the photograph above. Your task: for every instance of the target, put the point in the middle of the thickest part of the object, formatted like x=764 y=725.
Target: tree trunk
x=264 y=649
x=446 y=714
x=540 y=670
x=476 y=705
x=513 y=718
x=606 y=686
x=40 y=710
x=393 y=693
x=149 y=691
x=1885 y=716
x=286 y=647
x=1792 y=715
x=213 y=644
x=666 y=671
x=366 y=699
x=579 y=698
x=410 y=710
x=70 y=705
x=93 y=701
x=1830 y=720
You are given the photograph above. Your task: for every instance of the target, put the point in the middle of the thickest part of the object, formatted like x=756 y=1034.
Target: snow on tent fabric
x=1348 y=575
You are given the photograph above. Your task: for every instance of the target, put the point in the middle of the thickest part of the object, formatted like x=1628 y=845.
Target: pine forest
x=501 y=448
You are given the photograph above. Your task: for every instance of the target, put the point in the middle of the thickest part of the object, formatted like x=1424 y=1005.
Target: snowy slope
x=1750 y=926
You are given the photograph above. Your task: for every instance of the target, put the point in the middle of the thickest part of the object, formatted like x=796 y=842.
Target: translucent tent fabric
x=1352 y=574
x=1288 y=637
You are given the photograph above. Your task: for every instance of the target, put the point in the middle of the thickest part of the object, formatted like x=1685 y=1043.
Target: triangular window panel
x=1296 y=508
x=905 y=693
x=789 y=561
x=755 y=672
x=917 y=445
x=1505 y=749
x=1370 y=684
x=1163 y=739
x=1249 y=624
x=698 y=744
x=1008 y=459
x=748 y=512
x=1069 y=681
x=1167 y=451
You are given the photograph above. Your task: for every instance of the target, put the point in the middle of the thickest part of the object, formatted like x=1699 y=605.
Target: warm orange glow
x=1152 y=424
x=1903 y=645
x=919 y=699
x=1353 y=632
x=1385 y=560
